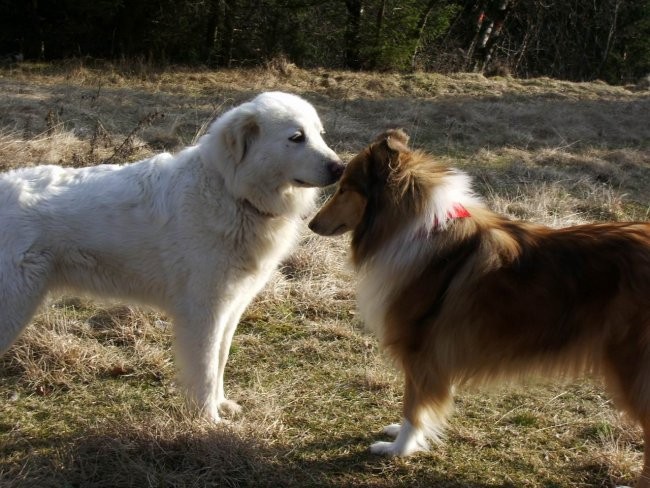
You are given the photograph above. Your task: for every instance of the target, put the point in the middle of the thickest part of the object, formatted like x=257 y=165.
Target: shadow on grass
x=137 y=456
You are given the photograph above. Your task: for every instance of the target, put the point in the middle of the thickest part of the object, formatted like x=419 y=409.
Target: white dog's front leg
x=197 y=345
x=246 y=291
x=226 y=406
x=408 y=440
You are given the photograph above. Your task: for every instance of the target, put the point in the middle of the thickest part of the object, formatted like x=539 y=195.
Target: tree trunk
x=378 y=31
x=33 y=42
x=228 y=32
x=419 y=30
x=489 y=25
x=352 y=52
x=212 y=31
x=610 y=38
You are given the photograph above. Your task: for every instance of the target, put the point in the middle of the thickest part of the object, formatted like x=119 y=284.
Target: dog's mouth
x=302 y=184
x=338 y=230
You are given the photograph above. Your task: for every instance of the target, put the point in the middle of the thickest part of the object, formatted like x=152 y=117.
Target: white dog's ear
x=240 y=133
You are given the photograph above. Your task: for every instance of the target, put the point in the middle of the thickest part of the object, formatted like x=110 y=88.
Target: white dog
x=197 y=234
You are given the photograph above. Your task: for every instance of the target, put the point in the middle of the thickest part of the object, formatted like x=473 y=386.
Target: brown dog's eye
x=299 y=136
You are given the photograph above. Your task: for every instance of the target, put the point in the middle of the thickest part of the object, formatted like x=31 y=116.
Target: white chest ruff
x=373 y=297
x=403 y=258
x=381 y=280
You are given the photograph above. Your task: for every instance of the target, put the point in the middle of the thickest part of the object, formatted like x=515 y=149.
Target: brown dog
x=458 y=294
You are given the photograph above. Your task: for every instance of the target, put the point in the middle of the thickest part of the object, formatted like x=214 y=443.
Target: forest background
x=577 y=40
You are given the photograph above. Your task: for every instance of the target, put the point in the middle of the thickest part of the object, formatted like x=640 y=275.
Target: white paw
x=211 y=413
x=384 y=448
x=395 y=449
x=392 y=430
x=408 y=440
x=229 y=408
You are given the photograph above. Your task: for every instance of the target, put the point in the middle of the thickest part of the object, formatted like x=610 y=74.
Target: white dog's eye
x=298 y=137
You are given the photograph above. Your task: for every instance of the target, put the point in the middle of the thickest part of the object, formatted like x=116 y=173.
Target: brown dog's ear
x=389 y=146
x=397 y=136
x=393 y=136
x=390 y=160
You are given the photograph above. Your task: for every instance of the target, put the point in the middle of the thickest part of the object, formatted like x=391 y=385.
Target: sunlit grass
x=88 y=394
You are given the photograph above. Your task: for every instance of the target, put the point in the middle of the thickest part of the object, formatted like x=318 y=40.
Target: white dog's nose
x=335 y=168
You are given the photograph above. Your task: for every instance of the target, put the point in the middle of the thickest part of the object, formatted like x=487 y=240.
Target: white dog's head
x=272 y=153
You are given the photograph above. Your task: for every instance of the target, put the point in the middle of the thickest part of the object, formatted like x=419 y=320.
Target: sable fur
x=482 y=298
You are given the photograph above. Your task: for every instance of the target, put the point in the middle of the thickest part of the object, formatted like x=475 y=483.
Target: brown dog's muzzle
x=340 y=214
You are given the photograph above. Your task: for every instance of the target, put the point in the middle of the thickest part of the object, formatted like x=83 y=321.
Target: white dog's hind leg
x=22 y=288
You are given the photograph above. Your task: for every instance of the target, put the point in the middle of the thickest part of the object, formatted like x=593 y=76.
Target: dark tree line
x=577 y=39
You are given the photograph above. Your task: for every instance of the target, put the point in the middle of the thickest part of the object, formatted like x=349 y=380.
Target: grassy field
x=88 y=395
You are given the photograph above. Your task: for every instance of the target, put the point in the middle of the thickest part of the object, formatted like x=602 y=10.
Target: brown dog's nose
x=336 y=169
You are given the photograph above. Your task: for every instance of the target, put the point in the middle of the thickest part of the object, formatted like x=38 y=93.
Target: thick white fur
x=196 y=234
x=404 y=256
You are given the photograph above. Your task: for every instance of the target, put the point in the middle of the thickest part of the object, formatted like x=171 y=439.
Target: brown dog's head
x=369 y=186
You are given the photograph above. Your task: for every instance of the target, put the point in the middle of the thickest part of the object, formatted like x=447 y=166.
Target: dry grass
x=88 y=393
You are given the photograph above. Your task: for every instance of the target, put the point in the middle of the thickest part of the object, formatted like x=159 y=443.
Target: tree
x=352 y=31
x=577 y=40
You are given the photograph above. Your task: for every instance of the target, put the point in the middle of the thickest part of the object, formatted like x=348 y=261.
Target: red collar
x=457 y=212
